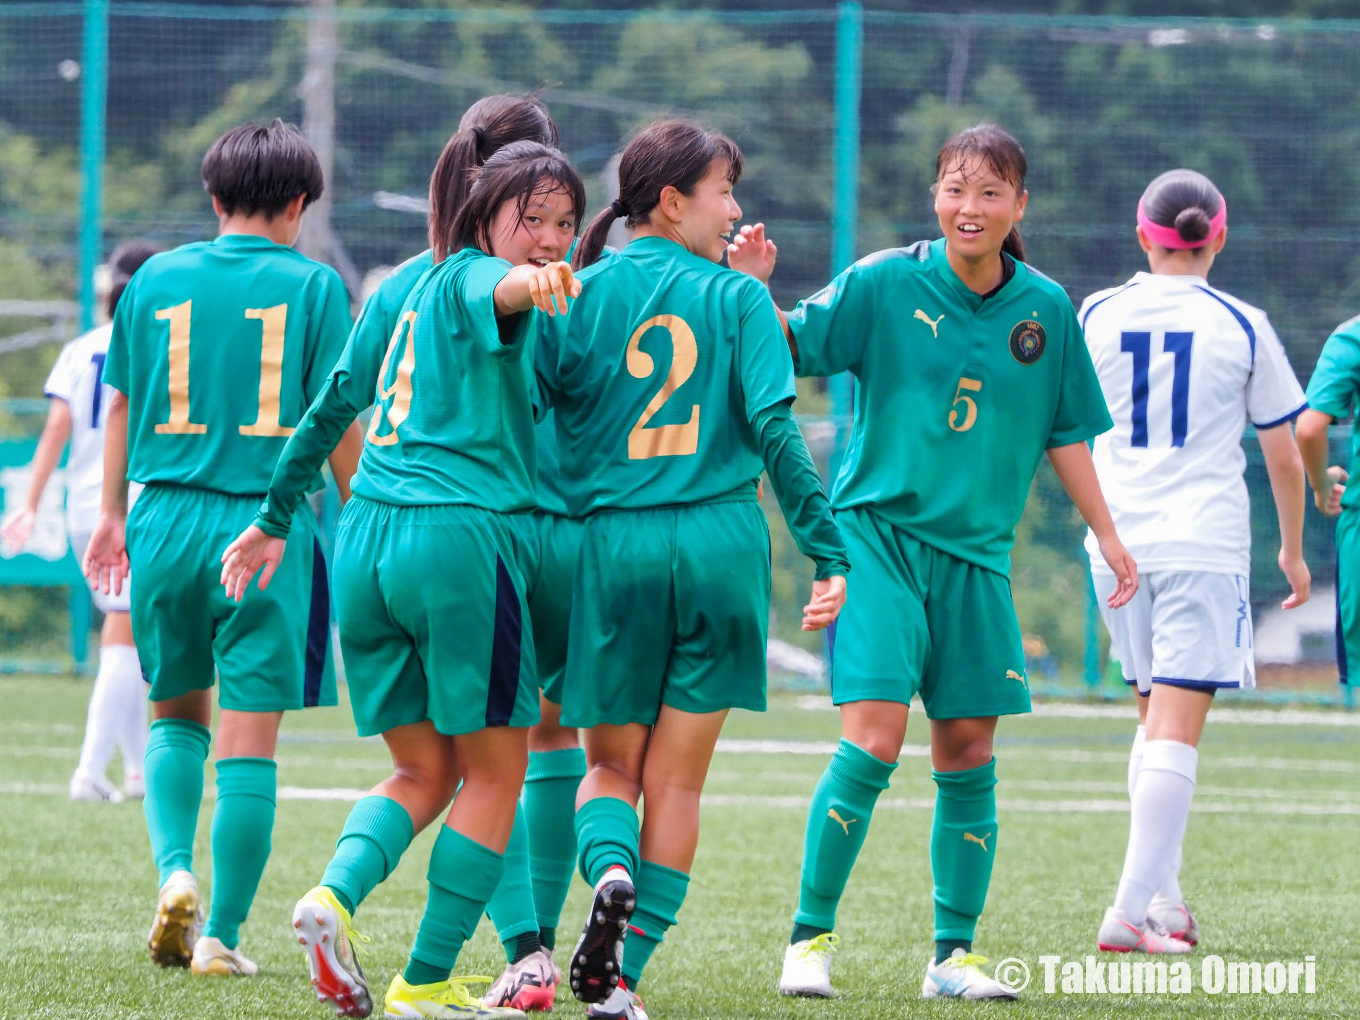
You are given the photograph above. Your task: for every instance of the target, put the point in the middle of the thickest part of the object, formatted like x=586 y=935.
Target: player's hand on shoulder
x=1330 y=502
x=1300 y=580
x=252 y=550
x=106 y=559
x=550 y=286
x=828 y=597
x=752 y=253
x=16 y=528
x=1125 y=571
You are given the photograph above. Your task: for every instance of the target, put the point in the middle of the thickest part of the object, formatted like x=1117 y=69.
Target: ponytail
x=490 y=124
x=1013 y=245
x=591 y=245
x=449 y=186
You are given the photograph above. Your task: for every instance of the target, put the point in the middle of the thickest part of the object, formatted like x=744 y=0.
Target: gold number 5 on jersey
x=664 y=440
x=400 y=390
x=267 y=418
x=970 y=405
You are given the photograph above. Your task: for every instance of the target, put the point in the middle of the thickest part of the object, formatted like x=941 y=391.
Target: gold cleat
x=179 y=916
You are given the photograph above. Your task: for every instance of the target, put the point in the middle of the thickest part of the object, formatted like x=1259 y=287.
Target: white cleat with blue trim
x=960 y=977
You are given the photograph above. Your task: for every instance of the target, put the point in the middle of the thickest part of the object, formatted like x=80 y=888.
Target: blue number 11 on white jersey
x=1178 y=344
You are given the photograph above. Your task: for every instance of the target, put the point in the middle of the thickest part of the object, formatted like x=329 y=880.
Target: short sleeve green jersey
x=220 y=347
x=453 y=421
x=655 y=376
x=957 y=395
x=1333 y=389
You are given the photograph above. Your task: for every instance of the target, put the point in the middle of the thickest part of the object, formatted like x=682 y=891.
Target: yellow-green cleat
x=443 y=1000
x=326 y=933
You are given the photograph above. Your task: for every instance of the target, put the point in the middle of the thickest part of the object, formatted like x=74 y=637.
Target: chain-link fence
x=825 y=103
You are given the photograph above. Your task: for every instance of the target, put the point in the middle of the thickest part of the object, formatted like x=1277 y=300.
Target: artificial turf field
x=1272 y=868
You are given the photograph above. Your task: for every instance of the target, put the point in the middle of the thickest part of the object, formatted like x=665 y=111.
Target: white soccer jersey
x=1183 y=367
x=75 y=378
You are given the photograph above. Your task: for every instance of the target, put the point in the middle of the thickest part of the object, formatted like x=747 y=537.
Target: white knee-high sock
x=104 y=720
x=1136 y=758
x=1161 y=806
x=132 y=690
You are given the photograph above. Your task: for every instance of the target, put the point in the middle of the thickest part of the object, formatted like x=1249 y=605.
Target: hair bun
x=1192 y=223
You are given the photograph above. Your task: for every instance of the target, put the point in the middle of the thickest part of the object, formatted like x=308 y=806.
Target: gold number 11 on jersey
x=272 y=323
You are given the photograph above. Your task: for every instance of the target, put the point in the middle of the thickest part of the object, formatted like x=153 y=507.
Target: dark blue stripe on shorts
x=1342 y=666
x=503 y=687
x=318 y=629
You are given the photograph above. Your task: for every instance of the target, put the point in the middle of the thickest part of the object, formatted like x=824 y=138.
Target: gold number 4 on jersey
x=267 y=419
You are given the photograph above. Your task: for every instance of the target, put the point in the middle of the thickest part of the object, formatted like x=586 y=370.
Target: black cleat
x=594 y=967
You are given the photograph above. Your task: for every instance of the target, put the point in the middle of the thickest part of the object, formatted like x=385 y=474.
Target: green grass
x=77 y=883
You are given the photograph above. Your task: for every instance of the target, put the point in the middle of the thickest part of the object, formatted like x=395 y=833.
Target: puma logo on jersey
x=934 y=324
x=1013 y=675
x=968 y=837
x=841 y=821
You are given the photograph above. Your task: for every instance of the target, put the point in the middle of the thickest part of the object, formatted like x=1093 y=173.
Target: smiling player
x=970 y=368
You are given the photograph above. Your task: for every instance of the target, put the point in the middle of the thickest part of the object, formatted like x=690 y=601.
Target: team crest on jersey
x=1028 y=340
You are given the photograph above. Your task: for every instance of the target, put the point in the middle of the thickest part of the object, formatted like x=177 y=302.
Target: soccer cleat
x=622 y=1004
x=178 y=920
x=95 y=789
x=807 y=967
x=1119 y=935
x=1175 y=918
x=960 y=977
x=326 y=933
x=213 y=959
x=597 y=960
x=530 y=984
x=443 y=1000
x=134 y=786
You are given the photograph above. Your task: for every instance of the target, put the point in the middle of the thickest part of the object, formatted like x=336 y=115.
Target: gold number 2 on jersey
x=969 y=418
x=664 y=440
x=267 y=419
x=400 y=390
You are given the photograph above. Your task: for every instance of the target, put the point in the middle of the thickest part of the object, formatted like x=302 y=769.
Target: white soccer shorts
x=110 y=603
x=1183 y=628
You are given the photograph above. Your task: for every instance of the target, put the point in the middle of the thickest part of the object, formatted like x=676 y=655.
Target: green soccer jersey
x=373 y=331
x=453 y=421
x=957 y=396
x=656 y=375
x=1333 y=389
x=220 y=347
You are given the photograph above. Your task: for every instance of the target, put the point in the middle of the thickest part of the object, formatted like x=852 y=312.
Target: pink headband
x=1168 y=237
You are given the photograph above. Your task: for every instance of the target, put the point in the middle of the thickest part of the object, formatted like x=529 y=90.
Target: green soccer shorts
x=550 y=600
x=272 y=650
x=433 y=610
x=920 y=621
x=1348 y=596
x=670 y=606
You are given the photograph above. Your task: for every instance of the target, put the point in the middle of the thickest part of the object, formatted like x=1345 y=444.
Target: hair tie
x=1169 y=237
x=480 y=134
x=618 y=208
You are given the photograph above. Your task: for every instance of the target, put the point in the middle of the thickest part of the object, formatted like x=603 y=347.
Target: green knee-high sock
x=660 y=894
x=463 y=875
x=606 y=834
x=837 y=823
x=242 y=825
x=511 y=907
x=549 y=801
x=962 y=848
x=175 y=752
x=376 y=834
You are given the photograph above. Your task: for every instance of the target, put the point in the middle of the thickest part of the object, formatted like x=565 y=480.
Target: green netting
x=1269 y=110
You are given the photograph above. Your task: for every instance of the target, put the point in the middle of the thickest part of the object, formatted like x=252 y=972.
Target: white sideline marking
x=1019 y=806
x=1128 y=712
